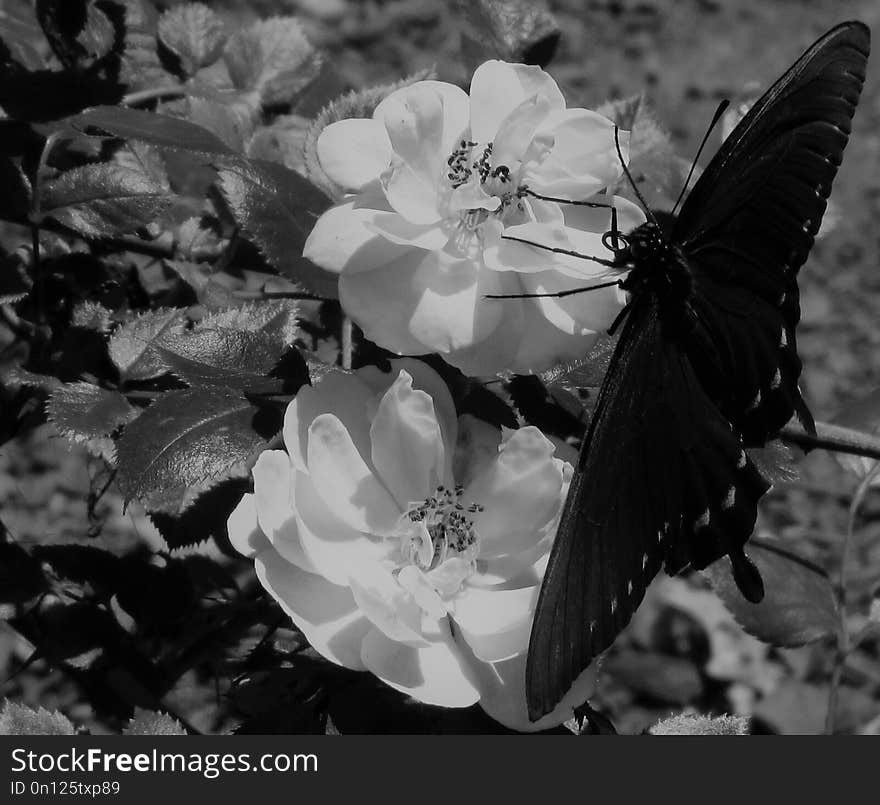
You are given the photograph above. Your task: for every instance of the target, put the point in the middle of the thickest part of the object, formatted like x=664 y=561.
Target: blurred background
x=683 y=650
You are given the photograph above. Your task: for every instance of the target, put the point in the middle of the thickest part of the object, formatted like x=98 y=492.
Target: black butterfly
x=706 y=365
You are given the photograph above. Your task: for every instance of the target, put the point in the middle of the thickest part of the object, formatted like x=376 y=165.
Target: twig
x=835 y=438
x=154 y=94
x=844 y=644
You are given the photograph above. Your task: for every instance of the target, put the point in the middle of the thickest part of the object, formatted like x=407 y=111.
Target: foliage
x=160 y=178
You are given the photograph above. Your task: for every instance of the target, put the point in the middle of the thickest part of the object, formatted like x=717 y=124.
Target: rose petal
x=437 y=304
x=583 y=159
x=497 y=88
x=399 y=230
x=332 y=546
x=502 y=694
x=408 y=451
x=343 y=240
x=354 y=152
x=456 y=111
x=517 y=130
x=496 y=623
x=345 y=482
x=390 y=608
x=520 y=492
x=339 y=393
x=273 y=493
x=325 y=613
x=433 y=674
x=587 y=313
x=425 y=379
x=245 y=534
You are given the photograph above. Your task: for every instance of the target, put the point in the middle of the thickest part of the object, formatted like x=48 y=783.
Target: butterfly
x=706 y=365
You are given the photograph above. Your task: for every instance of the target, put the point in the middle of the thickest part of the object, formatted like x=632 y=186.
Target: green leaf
x=85 y=413
x=18 y=719
x=146 y=159
x=103 y=200
x=190 y=436
x=188 y=515
x=277 y=208
x=799 y=606
x=148 y=722
x=131 y=347
x=511 y=30
x=159 y=130
x=15 y=284
x=230 y=117
x=84 y=564
x=78 y=31
x=140 y=66
x=701 y=725
x=220 y=356
x=277 y=317
x=194 y=33
x=273 y=58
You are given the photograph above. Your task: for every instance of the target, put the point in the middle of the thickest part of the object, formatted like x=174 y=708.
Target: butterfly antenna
x=722 y=107
x=632 y=182
x=533 y=194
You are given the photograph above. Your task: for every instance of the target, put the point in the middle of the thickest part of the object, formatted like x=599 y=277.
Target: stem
x=145 y=95
x=844 y=643
x=346 y=343
x=833 y=437
x=35 y=222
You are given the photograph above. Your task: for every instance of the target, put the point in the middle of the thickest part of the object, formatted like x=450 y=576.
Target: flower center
x=471 y=163
x=439 y=529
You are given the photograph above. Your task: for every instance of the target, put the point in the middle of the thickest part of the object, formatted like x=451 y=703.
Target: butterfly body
x=706 y=366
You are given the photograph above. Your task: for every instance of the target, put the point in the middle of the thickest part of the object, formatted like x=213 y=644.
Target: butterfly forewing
x=663 y=477
x=749 y=223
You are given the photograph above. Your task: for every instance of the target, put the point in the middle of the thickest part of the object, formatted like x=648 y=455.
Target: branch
x=835 y=438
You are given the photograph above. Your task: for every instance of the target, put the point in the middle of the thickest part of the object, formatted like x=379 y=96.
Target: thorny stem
x=844 y=643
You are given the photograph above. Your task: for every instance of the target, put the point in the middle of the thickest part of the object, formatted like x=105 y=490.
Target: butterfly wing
x=661 y=479
x=749 y=223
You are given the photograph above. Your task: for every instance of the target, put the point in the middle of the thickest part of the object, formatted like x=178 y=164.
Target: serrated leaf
x=18 y=719
x=145 y=158
x=194 y=33
x=82 y=411
x=103 y=200
x=357 y=103
x=15 y=284
x=139 y=64
x=277 y=317
x=159 y=130
x=78 y=31
x=274 y=58
x=189 y=515
x=511 y=30
x=863 y=415
x=90 y=315
x=149 y=722
x=276 y=208
x=131 y=347
x=799 y=606
x=283 y=141
x=230 y=118
x=701 y=725
x=220 y=356
x=190 y=436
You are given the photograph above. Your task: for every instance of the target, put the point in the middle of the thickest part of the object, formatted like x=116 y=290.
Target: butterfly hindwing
x=662 y=480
